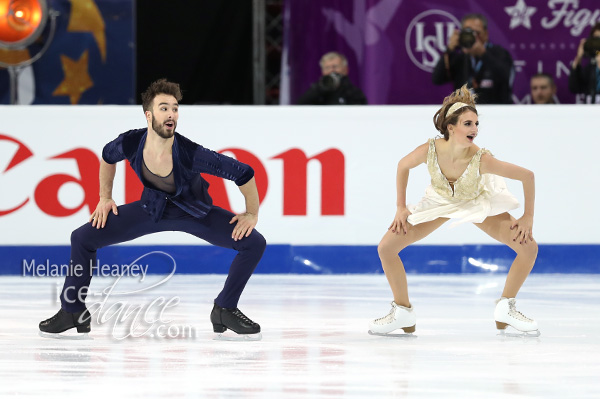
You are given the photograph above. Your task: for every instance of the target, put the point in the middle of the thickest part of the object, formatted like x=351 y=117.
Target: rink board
x=302 y=259
x=326 y=180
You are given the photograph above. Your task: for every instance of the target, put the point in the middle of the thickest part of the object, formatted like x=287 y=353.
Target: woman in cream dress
x=467 y=185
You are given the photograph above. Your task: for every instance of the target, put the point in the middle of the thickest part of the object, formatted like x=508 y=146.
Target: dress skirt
x=494 y=199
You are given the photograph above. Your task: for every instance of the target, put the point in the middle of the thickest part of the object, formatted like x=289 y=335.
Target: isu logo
x=427 y=35
x=294 y=163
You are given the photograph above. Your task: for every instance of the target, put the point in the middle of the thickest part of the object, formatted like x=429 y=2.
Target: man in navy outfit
x=175 y=198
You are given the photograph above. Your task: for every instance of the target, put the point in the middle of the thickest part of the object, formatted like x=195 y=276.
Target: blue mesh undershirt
x=166 y=183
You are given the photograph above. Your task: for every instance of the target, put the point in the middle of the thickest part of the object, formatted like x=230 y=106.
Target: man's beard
x=161 y=130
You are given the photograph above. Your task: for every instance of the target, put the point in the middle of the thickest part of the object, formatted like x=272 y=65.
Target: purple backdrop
x=392 y=45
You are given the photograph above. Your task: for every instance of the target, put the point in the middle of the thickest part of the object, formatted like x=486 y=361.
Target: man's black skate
x=233 y=319
x=63 y=321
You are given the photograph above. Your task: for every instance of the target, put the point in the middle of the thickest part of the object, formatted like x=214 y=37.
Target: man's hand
x=580 y=53
x=105 y=205
x=453 y=41
x=245 y=223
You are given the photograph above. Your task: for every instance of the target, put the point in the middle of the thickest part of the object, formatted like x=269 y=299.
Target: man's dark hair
x=544 y=75
x=161 y=86
x=475 y=16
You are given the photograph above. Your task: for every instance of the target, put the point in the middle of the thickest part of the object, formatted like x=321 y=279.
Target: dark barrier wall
x=206 y=46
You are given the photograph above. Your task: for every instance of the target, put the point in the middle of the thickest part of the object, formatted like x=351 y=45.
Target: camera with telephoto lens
x=591 y=47
x=330 y=82
x=466 y=38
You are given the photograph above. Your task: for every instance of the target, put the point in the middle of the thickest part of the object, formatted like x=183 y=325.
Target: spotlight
x=21 y=22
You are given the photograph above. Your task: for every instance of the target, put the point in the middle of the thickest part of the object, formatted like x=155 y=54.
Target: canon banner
x=393 y=45
x=324 y=175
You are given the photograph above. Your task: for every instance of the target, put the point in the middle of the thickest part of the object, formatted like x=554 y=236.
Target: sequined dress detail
x=472 y=198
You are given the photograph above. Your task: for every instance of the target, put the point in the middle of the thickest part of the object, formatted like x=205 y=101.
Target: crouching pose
x=175 y=198
x=466 y=184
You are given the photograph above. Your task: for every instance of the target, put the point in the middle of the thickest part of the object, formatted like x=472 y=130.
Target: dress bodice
x=467 y=187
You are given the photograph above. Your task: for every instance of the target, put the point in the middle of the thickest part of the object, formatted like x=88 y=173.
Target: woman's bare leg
x=389 y=247
x=498 y=227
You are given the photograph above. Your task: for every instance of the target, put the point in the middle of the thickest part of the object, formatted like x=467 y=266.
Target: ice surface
x=315 y=342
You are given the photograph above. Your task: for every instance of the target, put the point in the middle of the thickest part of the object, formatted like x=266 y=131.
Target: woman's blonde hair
x=441 y=119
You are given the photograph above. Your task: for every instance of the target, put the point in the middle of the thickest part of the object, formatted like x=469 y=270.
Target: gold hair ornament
x=455 y=107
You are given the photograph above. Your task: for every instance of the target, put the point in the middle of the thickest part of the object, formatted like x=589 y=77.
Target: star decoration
x=77 y=80
x=520 y=14
x=85 y=17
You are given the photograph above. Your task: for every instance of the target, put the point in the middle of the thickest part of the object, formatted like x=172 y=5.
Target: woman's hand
x=105 y=205
x=400 y=224
x=523 y=229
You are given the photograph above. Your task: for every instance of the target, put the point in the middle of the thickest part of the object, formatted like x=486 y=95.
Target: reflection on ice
x=485 y=266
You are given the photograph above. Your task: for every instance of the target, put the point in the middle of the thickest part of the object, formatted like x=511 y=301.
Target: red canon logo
x=295 y=163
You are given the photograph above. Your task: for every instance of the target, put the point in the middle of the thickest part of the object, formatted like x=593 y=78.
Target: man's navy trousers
x=132 y=222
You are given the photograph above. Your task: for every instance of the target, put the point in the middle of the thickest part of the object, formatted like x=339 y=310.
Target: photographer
x=586 y=79
x=334 y=87
x=471 y=59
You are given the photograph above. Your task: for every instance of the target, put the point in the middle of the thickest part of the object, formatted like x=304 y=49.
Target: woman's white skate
x=506 y=314
x=399 y=317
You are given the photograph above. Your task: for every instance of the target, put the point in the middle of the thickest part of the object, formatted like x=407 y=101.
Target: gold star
x=77 y=80
x=85 y=17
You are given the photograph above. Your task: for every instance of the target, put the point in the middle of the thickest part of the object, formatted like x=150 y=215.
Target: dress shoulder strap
x=431 y=150
x=481 y=152
x=476 y=161
x=431 y=155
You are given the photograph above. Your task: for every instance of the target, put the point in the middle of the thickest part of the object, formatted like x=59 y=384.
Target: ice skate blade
x=78 y=337
x=519 y=334
x=231 y=336
x=393 y=335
